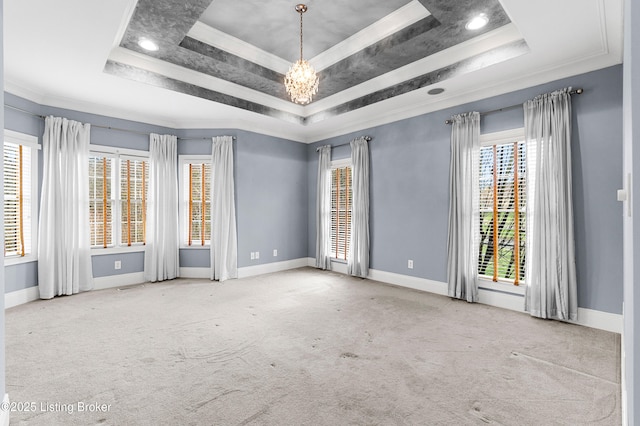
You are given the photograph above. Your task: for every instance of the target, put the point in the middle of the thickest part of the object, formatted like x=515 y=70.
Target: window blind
x=341 y=204
x=101 y=202
x=17 y=200
x=197 y=190
x=134 y=177
x=502 y=211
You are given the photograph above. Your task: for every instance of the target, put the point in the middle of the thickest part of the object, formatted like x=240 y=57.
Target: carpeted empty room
x=302 y=347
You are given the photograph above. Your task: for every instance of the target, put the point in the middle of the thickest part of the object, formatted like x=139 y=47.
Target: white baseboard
x=407 y=281
x=515 y=302
x=30 y=294
x=267 y=268
x=600 y=320
x=20 y=297
x=112 y=281
x=5 y=414
x=195 y=272
x=247 y=271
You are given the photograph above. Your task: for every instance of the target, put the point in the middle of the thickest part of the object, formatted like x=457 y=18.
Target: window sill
x=503 y=287
x=336 y=260
x=99 y=251
x=18 y=260
x=195 y=247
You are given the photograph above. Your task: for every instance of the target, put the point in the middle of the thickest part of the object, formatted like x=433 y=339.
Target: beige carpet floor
x=301 y=347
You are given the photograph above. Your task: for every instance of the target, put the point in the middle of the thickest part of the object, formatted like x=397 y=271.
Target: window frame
x=490 y=139
x=119 y=154
x=30 y=142
x=183 y=202
x=334 y=165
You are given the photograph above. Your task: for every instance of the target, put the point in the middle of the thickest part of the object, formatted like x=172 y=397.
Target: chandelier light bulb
x=301 y=82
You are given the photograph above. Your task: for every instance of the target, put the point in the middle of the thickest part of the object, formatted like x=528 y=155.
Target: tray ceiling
x=224 y=61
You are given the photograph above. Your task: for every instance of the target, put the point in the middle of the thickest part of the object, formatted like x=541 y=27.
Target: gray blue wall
x=410 y=185
x=271 y=191
x=270 y=173
x=25 y=275
x=275 y=187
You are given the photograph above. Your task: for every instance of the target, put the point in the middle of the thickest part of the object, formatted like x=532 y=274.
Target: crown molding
x=418 y=103
x=260 y=124
x=21 y=91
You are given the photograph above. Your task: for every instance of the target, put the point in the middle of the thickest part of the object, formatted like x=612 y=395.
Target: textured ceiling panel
x=169 y=21
x=325 y=23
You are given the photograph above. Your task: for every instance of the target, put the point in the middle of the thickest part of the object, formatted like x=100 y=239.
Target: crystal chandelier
x=301 y=81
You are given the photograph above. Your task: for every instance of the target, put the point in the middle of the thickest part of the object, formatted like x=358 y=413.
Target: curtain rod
x=201 y=139
x=101 y=127
x=572 y=92
x=367 y=138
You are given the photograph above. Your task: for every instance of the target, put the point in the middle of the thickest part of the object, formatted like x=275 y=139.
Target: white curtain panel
x=224 y=239
x=462 y=265
x=161 y=259
x=358 y=259
x=551 y=290
x=64 y=257
x=323 y=212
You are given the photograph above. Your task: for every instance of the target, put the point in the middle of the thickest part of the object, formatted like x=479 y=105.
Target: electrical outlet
x=117 y=264
x=253 y=256
x=275 y=252
x=410 y=264
x=257 y=255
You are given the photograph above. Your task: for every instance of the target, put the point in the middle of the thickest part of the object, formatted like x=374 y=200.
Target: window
x=133 y=200
x=101 y=200
x=20 y=196
x=118 y=186
x=341 y=202
x=502 y=207
x=195 y=211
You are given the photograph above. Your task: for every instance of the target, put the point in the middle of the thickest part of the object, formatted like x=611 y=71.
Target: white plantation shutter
x=341 y=204
x=17 y=200
x=502 y=210
x=134 y=184
x=101 y=199
x=196 y=190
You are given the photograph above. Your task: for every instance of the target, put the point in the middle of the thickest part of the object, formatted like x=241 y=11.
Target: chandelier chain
x=301 y=35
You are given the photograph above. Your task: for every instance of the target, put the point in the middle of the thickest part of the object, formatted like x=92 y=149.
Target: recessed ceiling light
x=147 y=44
x=477 y=22
x=436 y=91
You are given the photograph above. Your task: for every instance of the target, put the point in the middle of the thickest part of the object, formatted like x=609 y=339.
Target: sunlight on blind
x=197 y=191
x=341 y=202
x=133 y=194
x=17 y=200
x=502 y=224
x=101 y=203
